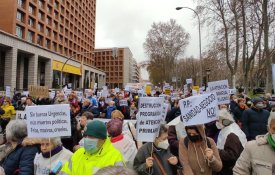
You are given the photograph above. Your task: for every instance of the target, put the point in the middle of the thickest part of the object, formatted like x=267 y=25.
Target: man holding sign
x=198 y=153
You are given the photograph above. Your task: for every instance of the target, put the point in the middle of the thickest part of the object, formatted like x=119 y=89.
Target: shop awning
x=57 y=65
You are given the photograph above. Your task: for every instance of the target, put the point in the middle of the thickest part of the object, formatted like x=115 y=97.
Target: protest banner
x=105 y=93
x=164 y=111
x=8 y=91
x=189 y=81
x=123 y=103
x=48 y=121
x=167 y=89
x=38 y=91
x=149 y=118
x=221 y=89
x=21 y=115
x=148 y=89
x=105 y=120
x=199 y=109
x=52 y=94
x=232 y=91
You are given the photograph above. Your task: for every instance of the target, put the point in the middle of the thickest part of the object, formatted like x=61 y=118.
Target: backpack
x=186 y=141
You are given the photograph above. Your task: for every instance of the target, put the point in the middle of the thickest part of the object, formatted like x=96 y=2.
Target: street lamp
x=179 y=8
x=70 y=58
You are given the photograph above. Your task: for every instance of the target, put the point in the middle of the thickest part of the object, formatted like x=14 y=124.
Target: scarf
x=270 y=141
x=52 y=152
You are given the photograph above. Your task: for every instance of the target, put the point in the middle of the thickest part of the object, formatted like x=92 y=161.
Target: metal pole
x=70 y=58
x=179 y=8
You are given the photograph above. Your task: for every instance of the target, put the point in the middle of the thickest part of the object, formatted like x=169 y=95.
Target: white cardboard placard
x=149 y=118
x=199 y=109
x=48 y=120
x=221 y=89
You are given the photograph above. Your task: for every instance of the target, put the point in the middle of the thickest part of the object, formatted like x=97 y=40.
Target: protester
x=231 y=141
x=89 y=107
x=254 y=120
x=98 y=152
x=102 y=106
x=133 y=111
x=258 y=155
x=238 y=111
x=155 y=158
x=20 y=151
x=92 y=99
x=115 y=170
x=233 y=103
x=110 y=109
x=52 y=156
x=60 y=98
x=121 y=141
x=9 y=113
x=197 y=153
x=21 y=105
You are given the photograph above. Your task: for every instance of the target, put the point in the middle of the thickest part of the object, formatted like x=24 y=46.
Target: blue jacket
x=93 y=101
x=20 y=160
x=110 y=109
x=254 y=122
x=91 y=109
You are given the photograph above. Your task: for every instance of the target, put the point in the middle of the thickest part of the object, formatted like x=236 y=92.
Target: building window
x=56 y=15
x=41 y=4
x=20 y=3
x=31 y=22
x=19 y=16
x=39 y=40
x=40 y=27
x=49 y=9
x=48 y=21
x=55 y=4
x=48 y=44
x=19 y=31
x=40 y=16
x=48 y=33
x=31 y=9
x=30 y=36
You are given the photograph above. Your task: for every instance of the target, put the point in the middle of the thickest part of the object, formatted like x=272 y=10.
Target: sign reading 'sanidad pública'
x=199 y=109
x=48 y=120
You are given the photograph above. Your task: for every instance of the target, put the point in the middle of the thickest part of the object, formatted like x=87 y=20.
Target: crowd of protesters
x=241 y=141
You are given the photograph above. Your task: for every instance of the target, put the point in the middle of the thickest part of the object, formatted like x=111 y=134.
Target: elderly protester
x=258 y=155
x=53 y=155
x=231 y=141
x=9 y=113
x=19 y=150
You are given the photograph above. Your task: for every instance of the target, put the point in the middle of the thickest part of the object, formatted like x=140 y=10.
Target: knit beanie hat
x=96 y=129
x=114 y=127
x=257 y=100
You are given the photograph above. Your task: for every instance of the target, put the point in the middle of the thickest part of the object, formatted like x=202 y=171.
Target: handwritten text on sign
x=221 y=88
x=199 y=109
x=150 y=118
x=48 y=120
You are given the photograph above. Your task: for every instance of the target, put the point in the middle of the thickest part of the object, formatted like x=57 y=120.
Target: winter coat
x=91 y=109
x=254 y=122
x=20 y=159
x=43 y=166
x=173 y=140
x=195 y=152
x=93 y=101
x=257 y=158
x=9 y=111
x=238 y=112
x=109 y=111
x=82 y=163
x=161 y=154
x=230 y=154
x=232 y=106
x=127 y=148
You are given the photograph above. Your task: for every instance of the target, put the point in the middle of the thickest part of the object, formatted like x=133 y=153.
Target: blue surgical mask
x=90 y=145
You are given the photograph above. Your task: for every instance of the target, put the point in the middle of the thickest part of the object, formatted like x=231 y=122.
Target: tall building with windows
x=119 y=65
x=39 y=35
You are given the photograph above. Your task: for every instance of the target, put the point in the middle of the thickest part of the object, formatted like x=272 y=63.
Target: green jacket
x=82 y=163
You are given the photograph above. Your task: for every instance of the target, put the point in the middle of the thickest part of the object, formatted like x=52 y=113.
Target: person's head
x=95 y=136
x=86 y=102
x=133 y=105
x=271 y=129
x=7 y=101
x=225 y=119
x=48 y=145
x=23 y=100
x=88 y=115
x=241 y=102
x=16 y=131
x=234 y=98
x=117 y=114
x=114 y=127
x=115 y=170
x=268 y=96
x=90 y=92
x=29 y=101
x=258 y=103
x=111 y=103
x=193 y=133
x=120 y=96
x=161 y=141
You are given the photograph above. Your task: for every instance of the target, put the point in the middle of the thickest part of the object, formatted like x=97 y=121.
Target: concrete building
x=38 y=36
x=119 y=65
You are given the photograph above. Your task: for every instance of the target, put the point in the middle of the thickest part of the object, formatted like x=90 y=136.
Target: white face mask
x=219 y=125
x=163 y=144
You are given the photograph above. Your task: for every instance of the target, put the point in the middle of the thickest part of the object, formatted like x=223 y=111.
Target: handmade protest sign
x=232 y=91
x=221 y=89
x=164 y=111
x=199 y=109
x=149 y=118
x=8 y=91
x=21 y=115
x=48 y=120
x=123 y=103
x=189 y=81
x=38 y=91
